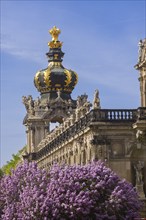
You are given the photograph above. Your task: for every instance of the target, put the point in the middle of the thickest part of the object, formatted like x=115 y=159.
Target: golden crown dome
x=55 y=77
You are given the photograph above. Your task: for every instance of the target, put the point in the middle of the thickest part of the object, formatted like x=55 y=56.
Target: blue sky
x=100 y=41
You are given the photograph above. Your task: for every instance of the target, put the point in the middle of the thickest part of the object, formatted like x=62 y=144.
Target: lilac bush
x=89 y=192
x=21 y=193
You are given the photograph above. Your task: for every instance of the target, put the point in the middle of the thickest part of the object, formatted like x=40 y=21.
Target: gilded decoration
x=54 y=33
x=47 y=77
x=55 y=56
x=57 y=85
x=36 y=80
x=68 y=77
x=54 y=64
x=76 y=78
x=46 y=80
x=55 y=44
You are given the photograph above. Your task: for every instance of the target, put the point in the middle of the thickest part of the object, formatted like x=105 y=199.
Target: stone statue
x=87 y=106
x=84 y=98
x=79 y=102
x=138 y=168
x=139 y=133
x=29 y=104
x=72 y=118
x=140 y=44
x=96 y=100
x=25 y=102
x=37 y=103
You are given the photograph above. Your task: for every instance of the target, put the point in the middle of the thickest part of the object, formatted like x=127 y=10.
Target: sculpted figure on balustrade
x=96 y=100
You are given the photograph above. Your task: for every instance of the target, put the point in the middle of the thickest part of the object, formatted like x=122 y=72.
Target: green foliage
x=1 y=173
x=16 y=158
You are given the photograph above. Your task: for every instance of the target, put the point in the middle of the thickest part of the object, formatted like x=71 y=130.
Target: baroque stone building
x=86 y=132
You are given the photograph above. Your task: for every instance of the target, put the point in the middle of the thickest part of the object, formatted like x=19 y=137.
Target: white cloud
x=16 y=48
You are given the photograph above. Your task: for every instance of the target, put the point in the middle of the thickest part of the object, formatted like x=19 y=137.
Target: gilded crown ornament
x=55 y=32
x=55 y=43
x=55 y=77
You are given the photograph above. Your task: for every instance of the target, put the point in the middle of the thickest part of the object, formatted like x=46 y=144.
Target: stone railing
x=70 y=128
x=114 y=115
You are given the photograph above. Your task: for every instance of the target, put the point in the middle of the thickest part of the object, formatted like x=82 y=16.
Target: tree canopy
x=16 y=158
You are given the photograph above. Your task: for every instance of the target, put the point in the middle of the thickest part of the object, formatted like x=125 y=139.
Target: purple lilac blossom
x=79 y=192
